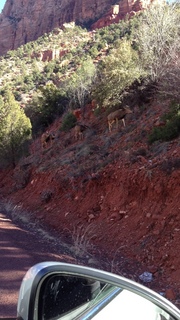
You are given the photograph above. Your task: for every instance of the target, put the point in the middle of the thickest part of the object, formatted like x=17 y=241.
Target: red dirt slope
x=112 y=197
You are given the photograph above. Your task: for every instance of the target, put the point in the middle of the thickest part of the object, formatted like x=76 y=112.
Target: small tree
x=118 y=71
x=158 y=39
x=15 y=128
x=80 y=83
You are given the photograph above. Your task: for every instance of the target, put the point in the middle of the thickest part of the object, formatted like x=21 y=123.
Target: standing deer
x=78 y=131
x=47 y=137
x=77 y=113
x=116 y=116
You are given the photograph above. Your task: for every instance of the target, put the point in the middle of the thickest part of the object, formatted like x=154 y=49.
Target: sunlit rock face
x=22 y=21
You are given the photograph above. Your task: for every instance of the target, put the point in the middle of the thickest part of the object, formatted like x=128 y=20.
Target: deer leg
x=44 y=145
x=109 y=125
x=117 y=123
x=123 y=122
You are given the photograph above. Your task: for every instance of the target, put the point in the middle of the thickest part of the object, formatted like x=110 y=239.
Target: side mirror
x=52 y=290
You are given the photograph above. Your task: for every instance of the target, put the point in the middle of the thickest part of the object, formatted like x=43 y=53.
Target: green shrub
x=170 y=131
x=68 y=122
x=93 y=52
x=174 y=111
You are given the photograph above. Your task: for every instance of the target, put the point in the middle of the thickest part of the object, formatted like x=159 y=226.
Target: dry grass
x=15 y=212
x=82 y=237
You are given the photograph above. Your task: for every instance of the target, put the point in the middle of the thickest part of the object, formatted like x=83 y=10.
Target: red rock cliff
x=22 y=21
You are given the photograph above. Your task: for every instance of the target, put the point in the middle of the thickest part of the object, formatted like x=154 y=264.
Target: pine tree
x=15 y=128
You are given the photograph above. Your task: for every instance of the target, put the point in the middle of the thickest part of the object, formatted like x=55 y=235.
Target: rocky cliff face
x=22 y=21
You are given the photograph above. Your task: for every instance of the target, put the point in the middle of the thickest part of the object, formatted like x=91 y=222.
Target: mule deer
x=77 y=113
x=46 y=138
x=118 y=115
x=79 y=131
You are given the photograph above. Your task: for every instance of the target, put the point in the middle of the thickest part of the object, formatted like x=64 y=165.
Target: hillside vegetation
x=113 y=66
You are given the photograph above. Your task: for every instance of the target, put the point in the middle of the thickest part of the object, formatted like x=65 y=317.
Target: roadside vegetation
x=67 y=69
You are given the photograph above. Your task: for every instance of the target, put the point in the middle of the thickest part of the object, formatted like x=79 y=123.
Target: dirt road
x=19 y=250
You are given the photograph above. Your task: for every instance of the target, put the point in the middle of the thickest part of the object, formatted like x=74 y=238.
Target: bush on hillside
x=69 y=122
x=172 y=128
x=47 y=104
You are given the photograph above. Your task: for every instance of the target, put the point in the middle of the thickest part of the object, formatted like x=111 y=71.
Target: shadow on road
x=19 y=250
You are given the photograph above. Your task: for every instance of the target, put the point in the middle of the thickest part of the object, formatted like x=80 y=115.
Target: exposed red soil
x=120 y=193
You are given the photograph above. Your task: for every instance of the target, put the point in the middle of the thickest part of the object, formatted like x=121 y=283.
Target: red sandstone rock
x=22 y=21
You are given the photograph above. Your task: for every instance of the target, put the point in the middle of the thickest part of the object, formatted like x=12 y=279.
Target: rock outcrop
x=22 y=21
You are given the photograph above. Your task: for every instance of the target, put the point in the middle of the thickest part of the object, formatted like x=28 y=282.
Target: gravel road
x=19 y=250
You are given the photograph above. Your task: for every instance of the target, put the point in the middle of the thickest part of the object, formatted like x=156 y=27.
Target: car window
x=130 y=306
x=65 y=298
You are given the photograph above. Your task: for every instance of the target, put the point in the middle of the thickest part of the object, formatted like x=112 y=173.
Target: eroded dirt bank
x=129 y=212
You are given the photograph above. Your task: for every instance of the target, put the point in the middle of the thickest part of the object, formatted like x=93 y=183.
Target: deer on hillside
x=46 y=138
x=79 y=131
x=77 y=113
x=117 y=115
